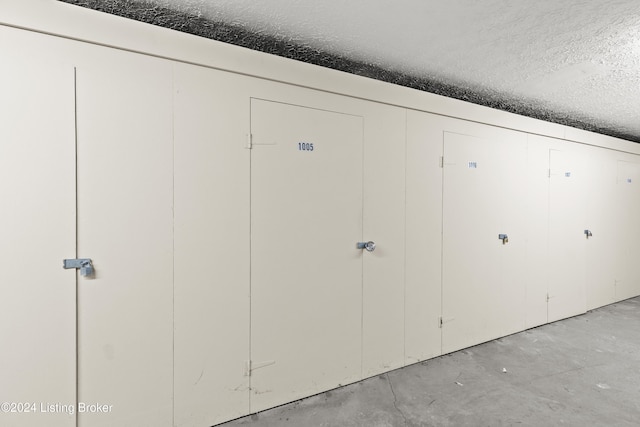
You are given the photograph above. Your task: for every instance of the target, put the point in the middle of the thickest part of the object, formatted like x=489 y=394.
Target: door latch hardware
x=84 y=264
x=588 y=233
x=504 y=238
x=252 y=366
x=369 y=246
x=442 y=320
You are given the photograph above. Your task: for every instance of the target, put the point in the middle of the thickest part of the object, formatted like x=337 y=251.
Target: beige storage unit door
x=567 y=262
x=125 y=224
x=37 y=230
x=306 y=273
x=628 y=230
x=484 y=183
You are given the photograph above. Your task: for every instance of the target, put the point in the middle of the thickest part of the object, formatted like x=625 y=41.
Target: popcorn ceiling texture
x=575 y=63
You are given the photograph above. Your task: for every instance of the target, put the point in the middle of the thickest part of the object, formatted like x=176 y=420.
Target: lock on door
x=84 y=264
x=369 y=246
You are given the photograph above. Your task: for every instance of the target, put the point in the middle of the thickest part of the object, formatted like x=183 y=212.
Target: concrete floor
x=583 y=371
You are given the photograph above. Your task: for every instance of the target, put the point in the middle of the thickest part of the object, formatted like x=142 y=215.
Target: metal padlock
x=86 y=268
x=369 y=246
x=84 y=264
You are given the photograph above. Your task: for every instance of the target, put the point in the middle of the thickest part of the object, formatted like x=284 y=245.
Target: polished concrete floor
x=583 y=371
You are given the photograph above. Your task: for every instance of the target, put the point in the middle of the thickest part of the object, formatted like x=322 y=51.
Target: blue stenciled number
x=305 y=146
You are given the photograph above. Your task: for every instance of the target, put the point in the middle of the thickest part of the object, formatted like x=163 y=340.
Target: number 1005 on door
x=305 y=146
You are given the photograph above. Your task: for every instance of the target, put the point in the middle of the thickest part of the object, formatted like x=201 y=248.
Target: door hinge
x=251 y=366
x=249 y=141
x=441 y=164
x=443 y=320
x=84 y=264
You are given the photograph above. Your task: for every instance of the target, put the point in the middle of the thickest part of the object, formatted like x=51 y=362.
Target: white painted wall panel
x=383 y=294
x=37 y=231
x=211 y=246
x=125 y=217
x=423 y=289
x=536 y=271
x=512 y=196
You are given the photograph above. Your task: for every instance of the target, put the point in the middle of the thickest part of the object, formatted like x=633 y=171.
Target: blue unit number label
x=305 y=146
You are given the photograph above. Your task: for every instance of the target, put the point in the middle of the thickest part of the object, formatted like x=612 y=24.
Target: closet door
x=484 y=183
x=306 y=269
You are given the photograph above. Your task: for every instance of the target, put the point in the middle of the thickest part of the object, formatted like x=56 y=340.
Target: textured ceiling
x=573 y=62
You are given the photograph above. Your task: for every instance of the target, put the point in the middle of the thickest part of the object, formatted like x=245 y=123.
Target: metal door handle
x=369 y=246
x=588 y=233
x=504 y=238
